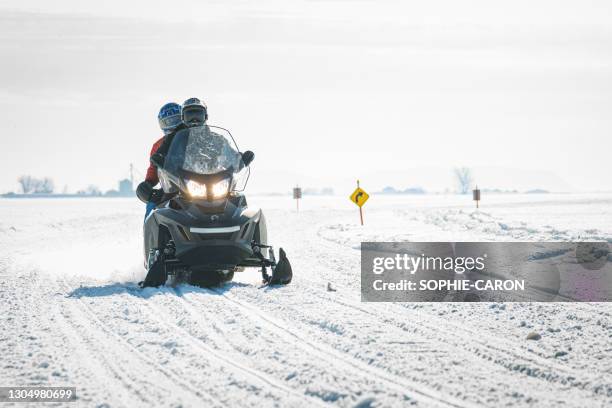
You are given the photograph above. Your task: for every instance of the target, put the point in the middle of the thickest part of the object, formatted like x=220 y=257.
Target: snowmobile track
x=324 y=352
x=543 y=368
x=254 y=374
x=480 y=342
x=133 y=351
x=87 y=345
x=117 y=379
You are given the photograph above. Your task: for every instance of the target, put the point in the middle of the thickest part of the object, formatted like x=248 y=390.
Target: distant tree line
x=463 y=180
x=91 y=190
x=33 y=185
x=409 y=190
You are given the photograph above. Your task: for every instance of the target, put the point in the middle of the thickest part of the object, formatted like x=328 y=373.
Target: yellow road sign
x=359 y=196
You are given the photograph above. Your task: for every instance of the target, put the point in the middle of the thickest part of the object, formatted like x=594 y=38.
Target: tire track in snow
x=243 y=370
x=120 y=384
x=170 y=375
x=323 y=351
x=83 y=342
x=538 y=368
x=480 y=361
x=200 y=303
x=551 y=371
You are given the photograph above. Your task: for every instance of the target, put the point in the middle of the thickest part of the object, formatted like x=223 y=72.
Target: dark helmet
x=195 y=112
x=169 y=117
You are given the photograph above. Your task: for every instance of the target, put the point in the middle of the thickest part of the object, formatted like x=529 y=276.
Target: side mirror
x=247 y=157
x=157 y=160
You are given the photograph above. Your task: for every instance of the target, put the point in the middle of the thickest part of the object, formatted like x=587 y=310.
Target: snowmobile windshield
x=203 y=150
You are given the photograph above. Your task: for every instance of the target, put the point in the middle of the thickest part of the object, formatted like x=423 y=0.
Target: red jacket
x=151 y=176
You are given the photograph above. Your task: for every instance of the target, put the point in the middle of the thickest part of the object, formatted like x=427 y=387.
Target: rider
x=170 y=122
x=172 y=118
x=195 y=112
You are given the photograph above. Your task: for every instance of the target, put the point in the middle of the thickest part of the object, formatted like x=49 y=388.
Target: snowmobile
x=203 y=231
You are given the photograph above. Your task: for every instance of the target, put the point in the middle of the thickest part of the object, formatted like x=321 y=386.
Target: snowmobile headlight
x=220 y=188
x=196 y=189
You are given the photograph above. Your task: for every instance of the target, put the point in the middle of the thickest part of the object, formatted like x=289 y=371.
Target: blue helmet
x=169 y=117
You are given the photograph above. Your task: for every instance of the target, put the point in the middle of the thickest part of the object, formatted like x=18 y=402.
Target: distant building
x=125 y=187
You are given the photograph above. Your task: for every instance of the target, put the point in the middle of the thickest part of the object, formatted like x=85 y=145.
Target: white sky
x=323 y=92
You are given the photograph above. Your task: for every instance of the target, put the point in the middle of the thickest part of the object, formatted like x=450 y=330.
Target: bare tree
x=45 y=186
x=27 y=183
x=93 y=190
x=463 y=176
x=35 y=185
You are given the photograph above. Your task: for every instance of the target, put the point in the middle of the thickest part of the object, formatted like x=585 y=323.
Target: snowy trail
x=480 y=344
x=74 y=316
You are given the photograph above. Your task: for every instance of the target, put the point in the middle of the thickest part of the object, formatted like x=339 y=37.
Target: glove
x=144 y=191
x=157 y=195
x=247 y=157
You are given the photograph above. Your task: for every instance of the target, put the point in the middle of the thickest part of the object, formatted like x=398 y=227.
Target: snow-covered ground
x=73 y=315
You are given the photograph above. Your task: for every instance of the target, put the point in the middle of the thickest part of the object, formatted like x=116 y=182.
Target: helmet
x=195 y=112
x=169 y=117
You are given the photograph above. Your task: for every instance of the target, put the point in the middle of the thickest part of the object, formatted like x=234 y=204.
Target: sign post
x=297 y=194
x=359 y=197
x=476 y=196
